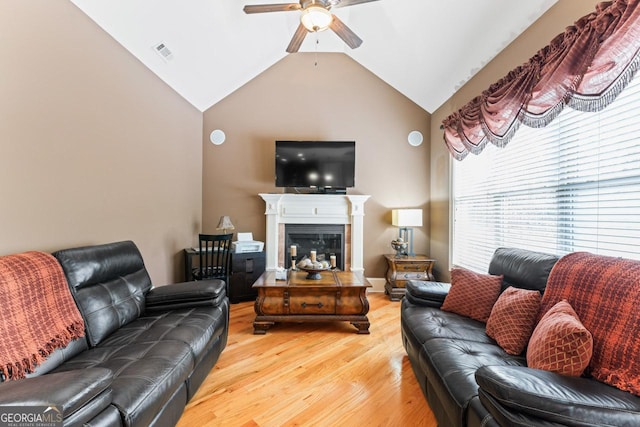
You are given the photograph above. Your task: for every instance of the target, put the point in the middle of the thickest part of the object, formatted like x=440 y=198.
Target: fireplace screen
x=325 y=239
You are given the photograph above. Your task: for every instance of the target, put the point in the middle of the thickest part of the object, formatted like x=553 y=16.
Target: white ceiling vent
x=163 y=51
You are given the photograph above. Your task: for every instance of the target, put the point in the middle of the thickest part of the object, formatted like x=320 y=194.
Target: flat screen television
x=316 y=164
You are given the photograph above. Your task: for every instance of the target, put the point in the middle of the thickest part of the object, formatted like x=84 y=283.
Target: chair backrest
x=214 y=256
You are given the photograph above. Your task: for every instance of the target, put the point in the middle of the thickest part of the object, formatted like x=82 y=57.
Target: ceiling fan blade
x=345 y=3
x=297 y=39
x=280 y=7
x=345 y=33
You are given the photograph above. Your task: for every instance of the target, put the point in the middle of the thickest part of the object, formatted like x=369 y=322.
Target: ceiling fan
x=316 y=16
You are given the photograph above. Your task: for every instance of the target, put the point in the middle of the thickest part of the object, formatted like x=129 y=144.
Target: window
x=571 y=186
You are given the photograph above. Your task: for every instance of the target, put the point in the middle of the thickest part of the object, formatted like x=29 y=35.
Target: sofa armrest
x=70 y=391
x=201 y=293
x=427 y=294
x=555 y=398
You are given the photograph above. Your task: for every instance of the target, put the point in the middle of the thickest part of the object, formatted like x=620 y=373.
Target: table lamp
x=406 y=219
x=225 y=224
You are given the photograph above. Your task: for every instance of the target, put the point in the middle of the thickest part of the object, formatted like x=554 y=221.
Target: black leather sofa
x=446 y=349
x=468 y=380
x=146 y=350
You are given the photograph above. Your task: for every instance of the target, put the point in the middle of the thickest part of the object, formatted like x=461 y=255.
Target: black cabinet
x=245 y=270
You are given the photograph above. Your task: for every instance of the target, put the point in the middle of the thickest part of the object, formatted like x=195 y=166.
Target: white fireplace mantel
x=287 y=208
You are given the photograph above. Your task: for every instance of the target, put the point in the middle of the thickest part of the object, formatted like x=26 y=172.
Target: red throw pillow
x=513 y=317
x=560 y=343
x=472 y=294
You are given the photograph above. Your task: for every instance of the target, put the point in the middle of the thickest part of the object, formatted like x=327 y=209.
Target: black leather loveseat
x=145 y=352
x=469 y=380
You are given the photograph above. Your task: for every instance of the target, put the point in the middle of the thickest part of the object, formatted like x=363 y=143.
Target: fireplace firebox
x=325 y=239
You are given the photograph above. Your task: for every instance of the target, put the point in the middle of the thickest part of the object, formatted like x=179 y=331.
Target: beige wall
x=552 y=23
x=336 y=100
x=94 y=148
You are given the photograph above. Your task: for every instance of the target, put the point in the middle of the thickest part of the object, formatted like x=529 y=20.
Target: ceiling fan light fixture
x=316 y=18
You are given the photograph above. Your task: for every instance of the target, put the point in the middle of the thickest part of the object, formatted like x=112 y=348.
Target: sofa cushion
x=146 y=374
x=109 y=283
x=425 y=323
x=513 y=317
x=451 y=364
x=472 y=294
x=604 y=292
x=196 y=327
x=560 y=343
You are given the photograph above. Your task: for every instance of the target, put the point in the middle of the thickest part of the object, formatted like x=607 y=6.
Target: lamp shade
x=406 y=217
x=225 y=223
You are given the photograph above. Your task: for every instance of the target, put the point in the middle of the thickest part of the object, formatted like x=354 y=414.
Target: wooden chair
x=214 y=256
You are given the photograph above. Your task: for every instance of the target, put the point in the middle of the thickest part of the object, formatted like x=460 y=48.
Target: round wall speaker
x=217 y=137
x=415 y=138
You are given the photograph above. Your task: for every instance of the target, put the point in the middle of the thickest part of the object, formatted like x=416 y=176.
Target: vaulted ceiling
x=425 y=49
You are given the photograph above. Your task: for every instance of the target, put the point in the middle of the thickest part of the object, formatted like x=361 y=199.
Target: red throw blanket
x=605 y=293
x=37 y=312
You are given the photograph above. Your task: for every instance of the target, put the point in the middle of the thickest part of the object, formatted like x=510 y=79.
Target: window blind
x=573 y=185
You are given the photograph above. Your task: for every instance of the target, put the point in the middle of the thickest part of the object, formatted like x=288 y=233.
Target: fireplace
x=323 y=210
x=325 y=239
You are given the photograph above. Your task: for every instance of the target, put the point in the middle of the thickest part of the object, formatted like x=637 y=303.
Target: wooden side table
x=404 y=268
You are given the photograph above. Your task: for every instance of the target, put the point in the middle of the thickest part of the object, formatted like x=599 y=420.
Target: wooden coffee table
x=336 y=296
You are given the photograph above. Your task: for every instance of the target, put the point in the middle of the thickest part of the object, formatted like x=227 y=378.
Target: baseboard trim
x=377 y=284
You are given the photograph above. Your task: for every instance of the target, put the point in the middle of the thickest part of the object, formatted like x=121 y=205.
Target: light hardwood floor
x=317 y=375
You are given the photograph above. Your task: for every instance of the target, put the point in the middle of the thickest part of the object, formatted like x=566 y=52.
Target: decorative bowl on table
x=314 y=273
x=313 y=269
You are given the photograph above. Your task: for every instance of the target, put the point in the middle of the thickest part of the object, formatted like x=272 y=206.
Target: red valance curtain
x=585 y=67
